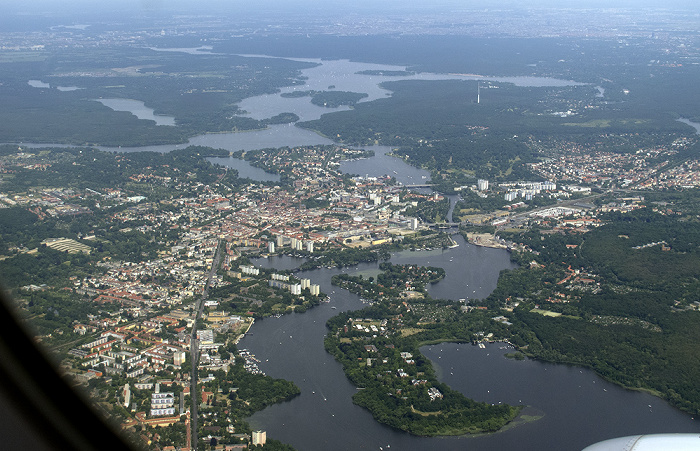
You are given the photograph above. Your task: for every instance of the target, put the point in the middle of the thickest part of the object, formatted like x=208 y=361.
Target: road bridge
x=442 y=225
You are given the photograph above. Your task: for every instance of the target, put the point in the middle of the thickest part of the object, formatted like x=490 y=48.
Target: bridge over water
x=442 y=225
x=424 y=185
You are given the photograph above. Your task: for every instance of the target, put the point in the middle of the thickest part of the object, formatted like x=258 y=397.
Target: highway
x=194 y=346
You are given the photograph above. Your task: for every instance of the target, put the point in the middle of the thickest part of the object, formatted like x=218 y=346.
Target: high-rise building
x=310 y=246
x=251 y=270
x=179 y=357
x=297 y=244
x=271 y=247
x=482 y=185
x=259 y=437
x=315 y=289
x=126 y=391
x=162 y=404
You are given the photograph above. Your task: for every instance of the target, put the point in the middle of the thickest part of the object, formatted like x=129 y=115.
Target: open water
x=578 y=407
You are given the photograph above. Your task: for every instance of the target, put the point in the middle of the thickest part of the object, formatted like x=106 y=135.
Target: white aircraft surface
x=649 y=442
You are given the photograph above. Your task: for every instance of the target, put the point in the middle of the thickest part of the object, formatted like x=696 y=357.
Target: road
x=519 y=218
x=194 y=346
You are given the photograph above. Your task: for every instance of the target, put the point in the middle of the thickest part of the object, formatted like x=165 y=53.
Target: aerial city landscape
x=389 y=227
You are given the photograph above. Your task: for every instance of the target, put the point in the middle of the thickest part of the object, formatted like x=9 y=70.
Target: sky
x=206 y=5
x=25 y=15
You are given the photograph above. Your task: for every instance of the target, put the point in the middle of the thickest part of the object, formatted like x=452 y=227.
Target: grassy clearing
x=597 y=123
x=425 y=414
x=408 y=331
x=546 y=312
x=22 y=57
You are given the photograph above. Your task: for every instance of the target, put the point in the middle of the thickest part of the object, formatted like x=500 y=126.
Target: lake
x=579 y=407
x=343 y=75
x=42 y=85
x=138 y=109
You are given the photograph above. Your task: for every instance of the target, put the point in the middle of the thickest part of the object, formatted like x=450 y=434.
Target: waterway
x=341 y=75
x=344 y=75
x=695 y=125
x=382 y=163
x=42 y=85
x=579 y=407
x=138 y=109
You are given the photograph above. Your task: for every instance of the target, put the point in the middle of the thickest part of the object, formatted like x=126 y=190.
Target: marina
x=251 y=362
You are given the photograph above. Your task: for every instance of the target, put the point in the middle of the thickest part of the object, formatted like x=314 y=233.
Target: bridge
x=425 y=185
x=442 y=225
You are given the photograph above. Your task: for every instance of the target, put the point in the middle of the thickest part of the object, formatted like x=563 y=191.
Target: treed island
x=124 y=263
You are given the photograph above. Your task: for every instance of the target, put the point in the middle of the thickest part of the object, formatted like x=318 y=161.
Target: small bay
x=577 y=407
x=138 y=109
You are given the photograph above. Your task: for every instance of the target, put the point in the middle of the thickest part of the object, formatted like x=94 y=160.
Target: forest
x=328 y=99
x=391 y=282
x=659 y=89
x=635 y=323
x=341 y=257
x=396 y=380
x=380 y=354
x=438 y=125
x=200 y=91
x=86 y=167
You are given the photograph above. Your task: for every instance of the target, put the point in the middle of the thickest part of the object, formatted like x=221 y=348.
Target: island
x=140 y=272
x=378 y=348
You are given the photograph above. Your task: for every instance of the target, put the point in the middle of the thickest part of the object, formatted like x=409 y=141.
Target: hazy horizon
x=86 y=6
x=41 y=15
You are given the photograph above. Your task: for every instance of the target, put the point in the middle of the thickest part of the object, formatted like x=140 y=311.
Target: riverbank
x=649 y=391
x=563 y=395
x=485 y=240
x=243 y=334
x=379 y=349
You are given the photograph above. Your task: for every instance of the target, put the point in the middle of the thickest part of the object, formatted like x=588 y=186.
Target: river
x=343 y=75
x=579 y=407
x=138 y=109
x=695 y=125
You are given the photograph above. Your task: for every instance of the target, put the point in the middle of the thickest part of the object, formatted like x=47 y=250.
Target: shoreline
x=243 y=334
x=489 y=240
